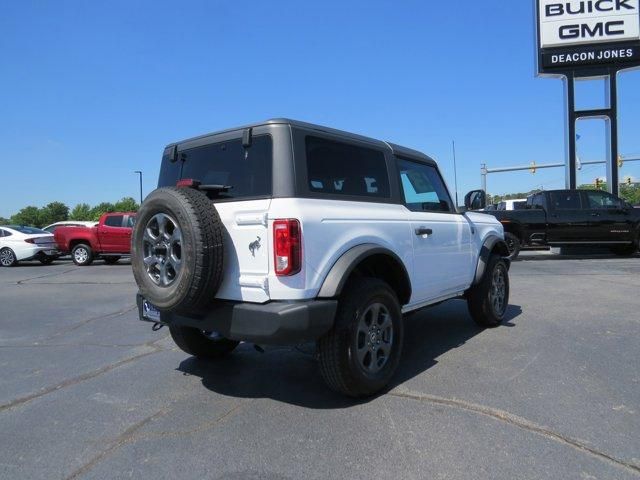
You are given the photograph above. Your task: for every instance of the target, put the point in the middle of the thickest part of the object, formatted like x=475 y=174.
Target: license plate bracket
x=150 y=312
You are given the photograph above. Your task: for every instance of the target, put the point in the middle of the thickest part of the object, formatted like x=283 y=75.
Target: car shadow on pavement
x=290 y=374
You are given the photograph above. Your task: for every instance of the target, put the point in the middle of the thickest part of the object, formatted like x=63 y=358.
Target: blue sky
x=91 y=91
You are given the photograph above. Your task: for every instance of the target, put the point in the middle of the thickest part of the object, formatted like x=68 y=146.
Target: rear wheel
x=111 y=260
x=202 y=344
x=7 y=257
x=361 y=352
x=489 y=299
x=513 y=245
x=82 y=255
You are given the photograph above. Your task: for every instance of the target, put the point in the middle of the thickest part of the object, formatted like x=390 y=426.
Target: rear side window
x=566 y=200
x=424 y=189
x=246 y=171
x=342 y=169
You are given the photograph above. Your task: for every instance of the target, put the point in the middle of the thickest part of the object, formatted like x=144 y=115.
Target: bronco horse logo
x=253 y=246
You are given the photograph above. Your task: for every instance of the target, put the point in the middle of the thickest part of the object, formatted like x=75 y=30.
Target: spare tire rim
x=498 y=291
x=162 y=249
x=374 y=338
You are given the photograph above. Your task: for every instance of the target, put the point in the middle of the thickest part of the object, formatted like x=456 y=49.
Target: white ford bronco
x=285 y=232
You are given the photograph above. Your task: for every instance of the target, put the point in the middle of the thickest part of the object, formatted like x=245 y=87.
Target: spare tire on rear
x=177 y=250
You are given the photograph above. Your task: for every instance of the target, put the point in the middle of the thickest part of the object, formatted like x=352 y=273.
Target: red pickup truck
x=109 y=240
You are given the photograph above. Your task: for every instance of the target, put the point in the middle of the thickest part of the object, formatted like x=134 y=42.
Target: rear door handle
x=424 y=231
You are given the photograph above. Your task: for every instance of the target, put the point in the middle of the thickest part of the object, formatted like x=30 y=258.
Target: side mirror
x=475 y=200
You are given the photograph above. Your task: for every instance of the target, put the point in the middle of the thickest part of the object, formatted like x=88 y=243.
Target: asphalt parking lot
x=88 y=391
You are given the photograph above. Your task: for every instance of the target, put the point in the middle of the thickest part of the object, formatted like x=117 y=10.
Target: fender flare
x=483 y=259
x=337 y=277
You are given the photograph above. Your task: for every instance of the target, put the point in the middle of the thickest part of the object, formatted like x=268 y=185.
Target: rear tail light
x=188 y=183
x=39 y=240
x=287 y=247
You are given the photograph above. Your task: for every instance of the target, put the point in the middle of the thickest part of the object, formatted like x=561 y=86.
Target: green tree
x=101 y=208
x=126 y=204
x=54 y=212
x=4 y=221
x=30 y=216
x=81 y=212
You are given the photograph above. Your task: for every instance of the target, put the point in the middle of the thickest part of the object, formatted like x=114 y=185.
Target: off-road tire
x=82 y=259
x=513 y=245
x=111 y=260
x=197 y=343
x=8 y=258
x=200 y=274
x=338 y=349
x=480 y=300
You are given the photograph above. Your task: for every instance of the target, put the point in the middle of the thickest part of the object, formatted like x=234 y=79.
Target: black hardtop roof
x=396 y=149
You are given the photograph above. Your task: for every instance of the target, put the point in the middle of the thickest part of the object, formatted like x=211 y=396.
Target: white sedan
x=26 y=243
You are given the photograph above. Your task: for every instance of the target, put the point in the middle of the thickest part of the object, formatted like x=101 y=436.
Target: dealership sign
x=578 y=34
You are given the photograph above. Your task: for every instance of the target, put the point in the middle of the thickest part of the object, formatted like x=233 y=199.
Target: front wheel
x=202 y=344
x=360 y=354
x=7 y=257
x=82 y=255
x=489 y=299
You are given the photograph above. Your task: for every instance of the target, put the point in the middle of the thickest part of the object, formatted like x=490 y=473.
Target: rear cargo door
x=243 y=179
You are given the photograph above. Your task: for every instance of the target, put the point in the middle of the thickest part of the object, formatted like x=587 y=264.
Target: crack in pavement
x=519 y=422
x=123 y=438
x=129 y=436
x=119 y=313
x=85 y=376
x=21 y=282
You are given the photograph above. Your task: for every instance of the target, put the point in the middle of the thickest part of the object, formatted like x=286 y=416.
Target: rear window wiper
x=191 y=183
x=215 y=188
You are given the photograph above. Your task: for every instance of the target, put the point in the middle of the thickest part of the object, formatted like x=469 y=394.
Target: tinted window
x=603 y=200
x=26 y=230
x=566 y=200
x=538 y=201
x=113 y=221
x=519 y=205
x=424 y=190
x=246 y=170
x=1 y=233
x=131 y=221
x=343 y=169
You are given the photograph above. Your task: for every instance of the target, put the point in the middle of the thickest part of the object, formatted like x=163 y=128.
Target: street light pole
x=140 y=175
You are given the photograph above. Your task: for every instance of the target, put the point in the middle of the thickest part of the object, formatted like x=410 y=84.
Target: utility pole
x=140 y=175
x=455 y=171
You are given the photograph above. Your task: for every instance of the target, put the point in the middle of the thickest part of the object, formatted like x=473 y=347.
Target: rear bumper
x=274 y=323
x=35 y=253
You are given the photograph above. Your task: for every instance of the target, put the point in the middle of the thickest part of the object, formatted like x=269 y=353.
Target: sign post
x=580 y=39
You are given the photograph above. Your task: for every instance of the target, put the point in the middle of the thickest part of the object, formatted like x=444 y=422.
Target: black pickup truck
x=570 y=217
